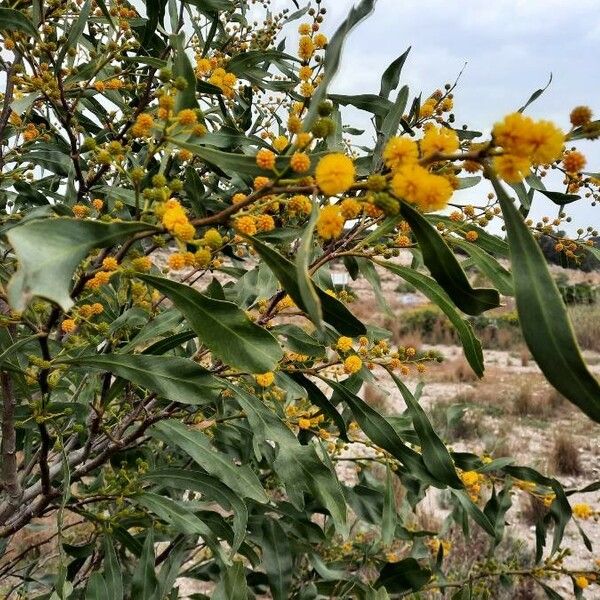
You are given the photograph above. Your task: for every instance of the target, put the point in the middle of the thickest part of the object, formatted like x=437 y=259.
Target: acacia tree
x=180 y=377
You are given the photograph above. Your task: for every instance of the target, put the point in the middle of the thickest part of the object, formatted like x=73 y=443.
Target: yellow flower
x=261 y=182
x=187 y=116
x=98 y=204
x=109 y=263
x=280 y=143
x=80 y=211
x=306 y=47
x=400 y=151
x=512 y=168
x=143 y=125
x=265 y=159
x=97 y=308
x=330 y=223
x=299 y=204
x=237 y=198
x=574 y=161
x=439 y=141
x=265 y=379
x=305 y=73
x=547 y=141
x=203 y=66
x=580 y=115
x=344 y=344
x=581 y=582
x=245 y=224
x=265 y=223
x=320 y=40
x=212 y=238
x=184 y=231
x=350 y=208
x=177 y=261
x=471 y=236
x=294 y=124
x=335 y=174
x=304 y=423
x=142 y=263
x=416 y=185
x=202 y=257
x=427 y=108
x=68 y=325
x=352 y=364
x=582 y=510
x=300 y=162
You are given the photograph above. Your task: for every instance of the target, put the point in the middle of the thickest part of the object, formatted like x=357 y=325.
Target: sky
x=510 y=48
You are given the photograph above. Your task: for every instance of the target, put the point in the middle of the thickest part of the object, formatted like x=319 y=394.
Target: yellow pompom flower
x=212 y=238
x=344 y=344
x=80 y=211
x=471 y=236
x=98 y=204
x=400 y=151
x=305 y=73
x=574 y=161
x=294 y=124
x=352 y=364
x=143 y=125
x=142 y=263
x=581 y=582
x=439 y=141
x=176 y=261
x=547 y=141
x=261 y=182
x=99 y=279
x=300 y=162
x=184 y=231
x=245 y=224
x=299 y=204
x=202 y=258
x=265 y=223
x=265 y=379
x=320 y=40
x=350 y=208
x=265 y=159
x=203 y=66
x=427 y=108
x=110 y=263
x=237 y=198
x=303 y=139
x=68 y=325
x=330 y=223
x=304 y=423
x=187 y=116
x=512 y=168
x=582 y=510
x=280 y=143
x=306 y=47
x=416 y=185
x=335 y=174
x=580 y=115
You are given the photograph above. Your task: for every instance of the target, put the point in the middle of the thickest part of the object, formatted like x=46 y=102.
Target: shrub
x=180 y=373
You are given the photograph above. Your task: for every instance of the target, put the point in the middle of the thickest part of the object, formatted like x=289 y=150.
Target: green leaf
x=437 y=295
x=222 y=327
x=15 y=20
x=182 y=67
x=96 y=588
x=332 y=57
x=180 y=518
x=403 y=576
x=177 y=379
x=496 y=508
x=536 y=95
x=334 y=312
x=474 y=512
x=112 y=571
x=75 y=30
x=232 y=585
x=436 y=457
x=211 y=487
x=383 y=434
x=391 y=76
x=369 y=102
x=445 y=268
x=144 y=583
x=306 y=287
x=276 y=558
x=488 y=265
x=66 y=243
x=197 y=446
x=544 y=320
x=389 y=518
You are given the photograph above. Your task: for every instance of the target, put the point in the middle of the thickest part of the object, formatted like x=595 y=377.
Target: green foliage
x=182 y=365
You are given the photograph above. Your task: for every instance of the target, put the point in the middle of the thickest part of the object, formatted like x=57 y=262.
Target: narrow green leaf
x=334 y=312
x=75 y=30
x=198 y=446
x=544 y=320
x=66 y=243
x=306 y=287
x=15 y=20
x=389 y=518
x=445 y=268
x=403 y=576
x=222 y=327
x=177 y=379
x=488 y=265
x=369 y=102
x=391 y=76
x=474 y=512
x=436 y=294
x=232 y=585
x=182 y=67
x=144 y=583
x=212 y=488
x=276 y=558
x=383 y=434
x=112 y=571
x=536 y=95
x=436 y=457
x=96 y=588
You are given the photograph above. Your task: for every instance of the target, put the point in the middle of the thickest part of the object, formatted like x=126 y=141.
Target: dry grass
x=374 y=397
x=565 y=456
x=525 y=404
x=454 y=371
x=586 y=322
x=532 y=509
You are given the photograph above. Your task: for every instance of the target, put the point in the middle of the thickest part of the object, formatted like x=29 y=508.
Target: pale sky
x=510 y=47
